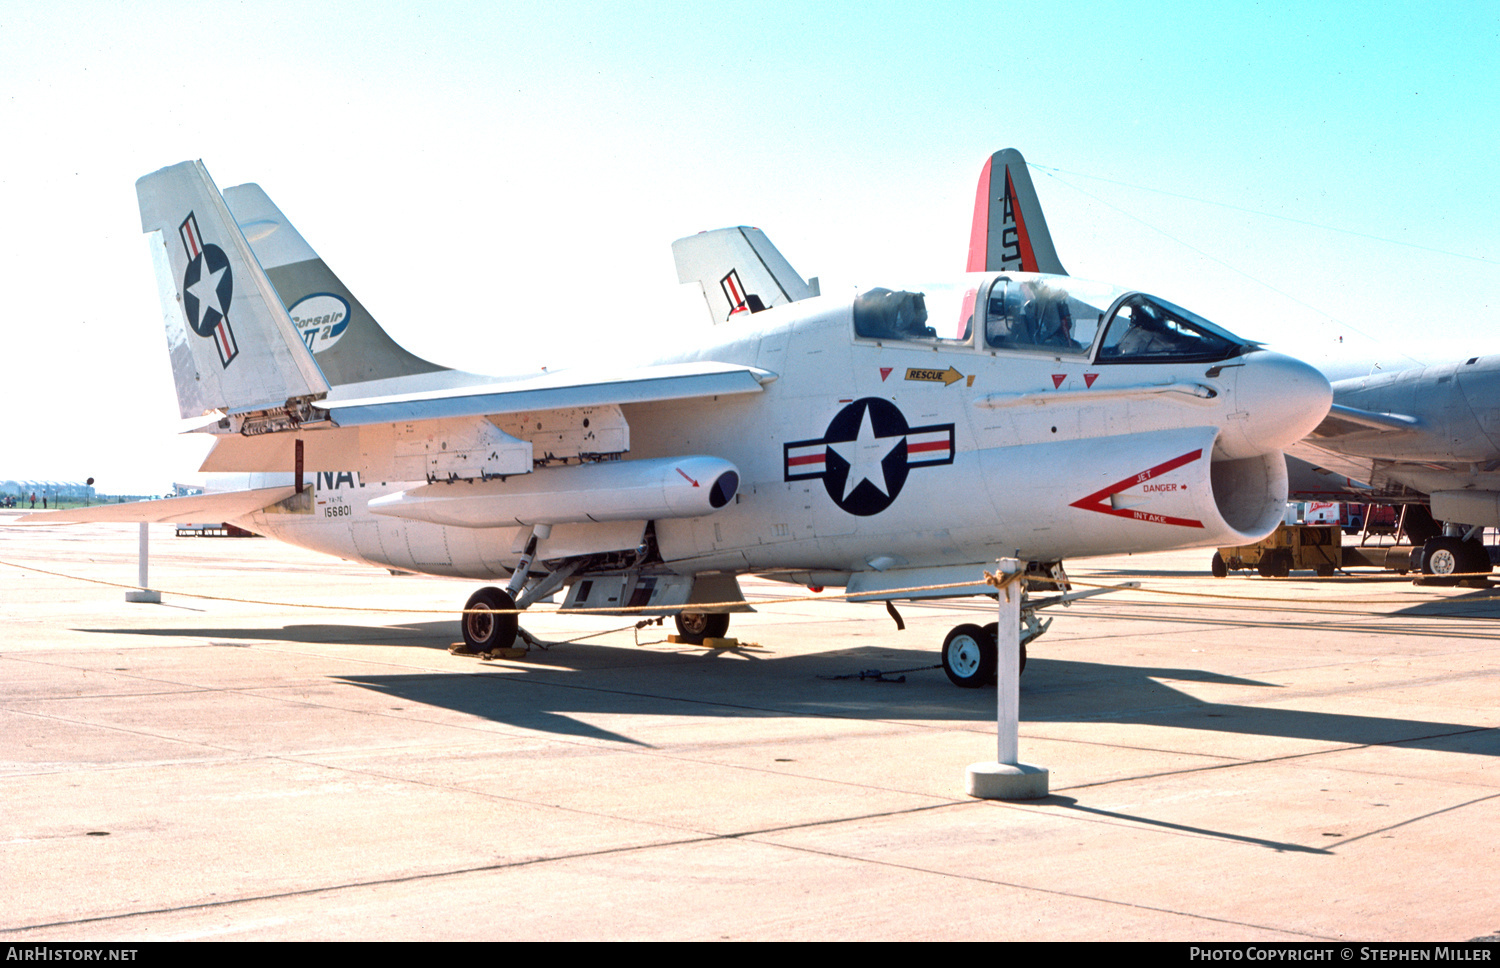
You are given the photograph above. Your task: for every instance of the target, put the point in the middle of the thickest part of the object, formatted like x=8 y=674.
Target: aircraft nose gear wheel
x=694 y=627
x=484 y=628
x=969 y=656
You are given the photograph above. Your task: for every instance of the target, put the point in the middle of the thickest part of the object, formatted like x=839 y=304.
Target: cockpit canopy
x=1053 y=315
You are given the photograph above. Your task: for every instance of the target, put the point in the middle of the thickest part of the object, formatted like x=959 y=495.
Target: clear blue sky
x=500 y=182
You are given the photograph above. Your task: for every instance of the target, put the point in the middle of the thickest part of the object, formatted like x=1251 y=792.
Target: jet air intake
x=680 y=487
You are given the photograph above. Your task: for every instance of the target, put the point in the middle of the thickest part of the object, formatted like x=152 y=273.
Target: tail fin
x=232 y=344
x=740 y=271
x=1009 y=231
x=344 y=338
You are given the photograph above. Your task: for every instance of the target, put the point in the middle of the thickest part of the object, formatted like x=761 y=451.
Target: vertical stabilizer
x=740 y=272
x=233 y=347
x=1009 y=232
x=347 y=342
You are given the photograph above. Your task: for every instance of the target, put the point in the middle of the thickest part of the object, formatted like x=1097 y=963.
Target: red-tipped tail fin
x=1009 y=232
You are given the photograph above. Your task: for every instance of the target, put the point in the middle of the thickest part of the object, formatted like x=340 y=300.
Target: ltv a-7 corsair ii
x=823 y=440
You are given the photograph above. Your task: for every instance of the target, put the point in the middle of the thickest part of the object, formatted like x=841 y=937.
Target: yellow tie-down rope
x=999 y=582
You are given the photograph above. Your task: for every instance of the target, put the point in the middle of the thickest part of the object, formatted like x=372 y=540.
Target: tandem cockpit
x=1048 y=316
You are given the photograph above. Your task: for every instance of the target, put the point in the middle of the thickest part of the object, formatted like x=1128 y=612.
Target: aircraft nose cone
x=1279 y=400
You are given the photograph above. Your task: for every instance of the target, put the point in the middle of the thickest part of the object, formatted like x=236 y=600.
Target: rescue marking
x=1057 y=379
x=207 y=290
x=866 y=454
x=946 y=377
x=885 y=371
x=1089 y=378
x=1099 y=500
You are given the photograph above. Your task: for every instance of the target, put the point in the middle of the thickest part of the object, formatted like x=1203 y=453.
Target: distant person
x=33 y=500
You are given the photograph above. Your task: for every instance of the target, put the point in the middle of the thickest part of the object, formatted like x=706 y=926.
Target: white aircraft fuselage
x=910 y=453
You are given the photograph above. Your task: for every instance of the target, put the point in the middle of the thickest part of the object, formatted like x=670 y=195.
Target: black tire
x=484 y=630
x=1476 y=558
x=1324 y=571
x=993 y=631
x=1276 y=563
x=1217 y=566
x=1442 y=558
x=694 y=627
x=969 y=657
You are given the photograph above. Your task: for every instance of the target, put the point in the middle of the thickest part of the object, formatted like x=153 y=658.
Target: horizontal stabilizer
x=232 y=344
x=739 y=271
x=223 y=506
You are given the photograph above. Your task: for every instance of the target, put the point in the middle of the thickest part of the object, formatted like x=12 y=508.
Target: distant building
x=52 y=490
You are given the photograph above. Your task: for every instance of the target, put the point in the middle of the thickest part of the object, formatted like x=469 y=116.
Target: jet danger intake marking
x=207 y=289
x=866 y=455
x=1107 y=500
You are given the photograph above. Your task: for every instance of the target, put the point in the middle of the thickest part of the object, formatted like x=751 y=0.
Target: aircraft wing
x=567 y=389
x=211 y=507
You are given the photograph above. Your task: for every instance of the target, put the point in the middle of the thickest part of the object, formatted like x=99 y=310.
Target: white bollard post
x=1008 y=778
x=145 y=594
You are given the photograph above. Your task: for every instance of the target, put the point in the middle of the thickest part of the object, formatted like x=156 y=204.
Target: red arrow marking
x=1096 y=501
x=690 y=480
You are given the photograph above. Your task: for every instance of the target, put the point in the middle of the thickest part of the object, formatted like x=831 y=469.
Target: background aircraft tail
x=233 y=347
x=740 y=271
x=1009 y=232
x=345 y=340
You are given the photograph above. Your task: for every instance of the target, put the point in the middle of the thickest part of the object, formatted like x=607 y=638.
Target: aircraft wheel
x=1217 y=566
x=1476 y=557
x=1442 y=558
x=969 y=656
x=694 y=627
x=993 y=631
x=485 y=630
x=1275 y=564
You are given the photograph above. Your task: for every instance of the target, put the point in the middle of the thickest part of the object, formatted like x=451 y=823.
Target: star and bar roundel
x=866 y=454
x=207 y=290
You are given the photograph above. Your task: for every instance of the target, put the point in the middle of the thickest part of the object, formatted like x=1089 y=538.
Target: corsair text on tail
x=233 y=347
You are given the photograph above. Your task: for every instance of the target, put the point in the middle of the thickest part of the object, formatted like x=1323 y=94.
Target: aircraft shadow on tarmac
x=585 y=679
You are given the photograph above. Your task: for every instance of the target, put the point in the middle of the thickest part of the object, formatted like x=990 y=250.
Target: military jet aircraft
x=823 y=440
x=1425 y=435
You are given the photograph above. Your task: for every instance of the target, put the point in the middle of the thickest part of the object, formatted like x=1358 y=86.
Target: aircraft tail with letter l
x=233 y=346
x=739 y=271
x=1009 y=232
x=345 y=340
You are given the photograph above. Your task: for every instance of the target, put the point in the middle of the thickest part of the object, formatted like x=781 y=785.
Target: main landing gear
x=485 y=626
x=694 y=627
x=1447 y=556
